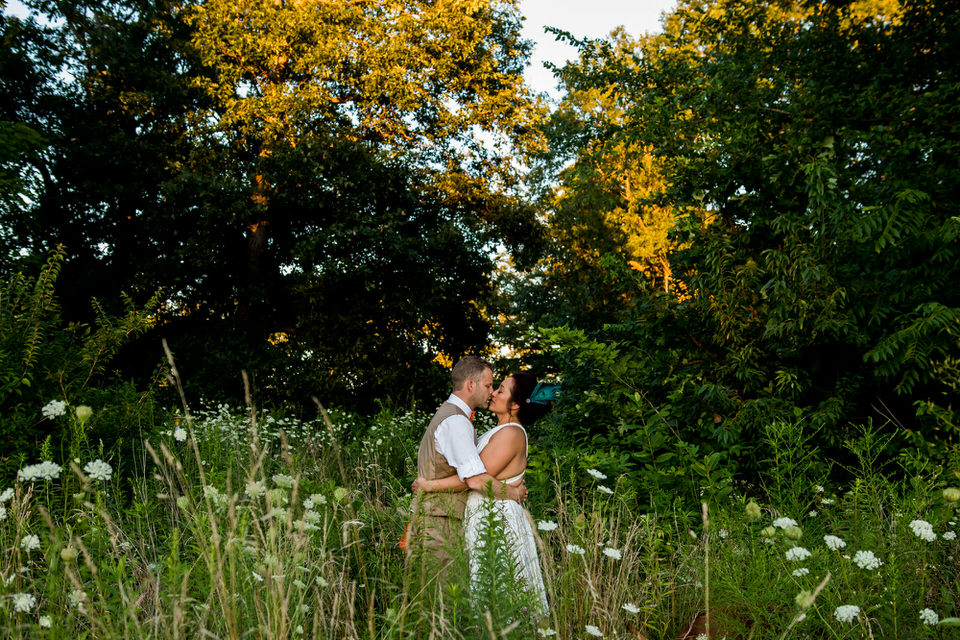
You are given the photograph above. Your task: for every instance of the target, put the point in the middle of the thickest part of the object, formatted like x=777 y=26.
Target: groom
x=449 y=447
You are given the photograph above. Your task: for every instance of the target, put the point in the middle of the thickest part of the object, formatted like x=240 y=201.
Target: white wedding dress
x=518 y=532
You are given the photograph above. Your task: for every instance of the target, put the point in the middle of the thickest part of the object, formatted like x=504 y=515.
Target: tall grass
x=237 y=525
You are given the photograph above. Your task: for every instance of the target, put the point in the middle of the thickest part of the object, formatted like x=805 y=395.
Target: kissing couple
x=464 y=483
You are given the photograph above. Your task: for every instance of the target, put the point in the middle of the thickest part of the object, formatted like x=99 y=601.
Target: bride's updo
x=523 y=386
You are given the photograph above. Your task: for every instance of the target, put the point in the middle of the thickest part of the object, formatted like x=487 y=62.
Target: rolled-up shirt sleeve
x=454 y=441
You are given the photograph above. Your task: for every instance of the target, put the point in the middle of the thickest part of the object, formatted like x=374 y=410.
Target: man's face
x=483 y=390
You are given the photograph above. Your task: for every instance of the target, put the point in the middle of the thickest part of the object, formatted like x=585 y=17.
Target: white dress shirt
x=454 y=440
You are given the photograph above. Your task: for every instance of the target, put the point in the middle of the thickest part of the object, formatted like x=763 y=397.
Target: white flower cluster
x=314 y=500
x=923 y=530
x=597 y=474
x=834 y=543
x=797 y=553
x=219 y=500
x=545 y=525
x=576 y=549
x=54 y=409
x=593 y=631
x=255 y=488
x=7 y=495
x=610 y=552
x=45 y=470
x=24 y=602
x=180 y=434
x=98 y=470
x=30 y=542
x=783 y=523
x=866 y=560
x=846 y=612
x=282 y=480
x=605 y=489
x=929 y=617
x=949 y=535
x=632 y=608
x=799 y=573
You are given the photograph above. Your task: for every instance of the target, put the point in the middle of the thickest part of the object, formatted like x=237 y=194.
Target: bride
x=503 y=451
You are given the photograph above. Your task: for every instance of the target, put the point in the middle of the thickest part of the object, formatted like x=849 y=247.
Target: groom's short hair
x=469 y=368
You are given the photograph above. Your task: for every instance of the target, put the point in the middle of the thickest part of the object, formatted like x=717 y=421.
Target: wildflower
x=546 y=632
x=183 y=502
x=612 y=553
x=23 y=602
x=54 y=409
x=545 y=525
x=313 y=500
x=768 y=532
x=45 y=470
x=813 y=514
x=951 y=494
x=256 y=576
x=254 y=489
x=98 y=470
x=797 y=553
x=605 y=489
x=83 y=413
x=866 y=560
x=804 y=599
x=30 y=543
x=596 y=474
x=818 y=488
x=593 y=631
x=68 y=554
x=752 y=510
x=3 y=513
x=723 y=533
x=948 y=535
x=45 y=622
x=702 y=636
x=923 y=530
x=799 y=573
x=339 y=494
x=834 y=543
x=283 y=480
x=846 y=612
x=827 y=501
x=783 y=523
x=6 y=495
x=180 y=434
x=929 y=617
x=632 y=608
x=576 y=549
x=77 y=598
x=793 y=532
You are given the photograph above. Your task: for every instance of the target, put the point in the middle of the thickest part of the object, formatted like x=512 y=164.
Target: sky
x=582 y=18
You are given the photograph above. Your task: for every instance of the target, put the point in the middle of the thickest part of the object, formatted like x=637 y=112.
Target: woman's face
x=501 y=402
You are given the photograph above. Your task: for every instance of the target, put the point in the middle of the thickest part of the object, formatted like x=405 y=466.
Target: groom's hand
x=517 y=492
x=418 y=484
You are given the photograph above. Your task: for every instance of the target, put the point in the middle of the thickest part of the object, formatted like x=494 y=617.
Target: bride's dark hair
x=523 y=385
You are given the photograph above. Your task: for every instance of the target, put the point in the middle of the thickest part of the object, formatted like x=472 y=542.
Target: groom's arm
x=485 y=481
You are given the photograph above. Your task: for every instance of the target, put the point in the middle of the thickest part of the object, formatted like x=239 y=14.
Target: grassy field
x=232 y=524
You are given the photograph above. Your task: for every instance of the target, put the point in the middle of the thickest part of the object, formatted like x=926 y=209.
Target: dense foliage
x=805 y=154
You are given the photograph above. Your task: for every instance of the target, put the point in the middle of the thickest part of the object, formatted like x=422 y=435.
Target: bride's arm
x=446 y=485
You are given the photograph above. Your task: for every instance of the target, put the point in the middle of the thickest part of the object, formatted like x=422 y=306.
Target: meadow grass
x=234 y=524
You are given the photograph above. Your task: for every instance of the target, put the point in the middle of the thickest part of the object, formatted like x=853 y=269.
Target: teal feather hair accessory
x=544 y=393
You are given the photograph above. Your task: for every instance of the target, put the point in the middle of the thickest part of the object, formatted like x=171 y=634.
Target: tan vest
x=433 y=466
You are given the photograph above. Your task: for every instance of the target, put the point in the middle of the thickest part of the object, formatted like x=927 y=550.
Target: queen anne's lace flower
x=923 y=530
x=632 y=608
x=24 y=602
x=54 y=409
x=783 y=523
x=605 y=489
x=98 y=470
x=834 y=543
x=45 y=622
x=597 y=474
x=612 y=553
x=283 y=480
x=593 y=631
x=545 y=525
x=866 y=560
x=6 y=495
x=45 y=470
x=575 y=549
x=30 y=542
x=797 y=553
x=546 y=632
x=947 y=535
x=180 y=434
x=929 y=617
x=846 y=612
x=799 y=573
